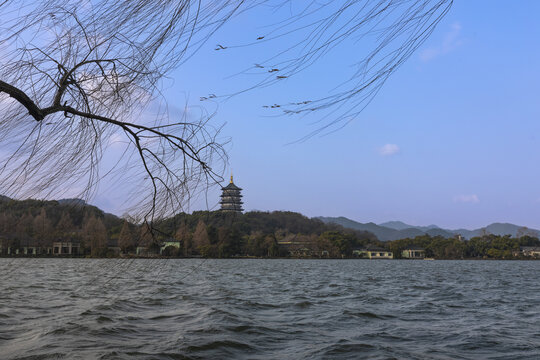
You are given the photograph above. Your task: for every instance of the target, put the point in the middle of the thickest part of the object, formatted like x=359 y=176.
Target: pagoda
x=231 y=198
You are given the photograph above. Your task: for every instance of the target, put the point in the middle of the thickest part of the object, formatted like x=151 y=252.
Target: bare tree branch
x=75 y=74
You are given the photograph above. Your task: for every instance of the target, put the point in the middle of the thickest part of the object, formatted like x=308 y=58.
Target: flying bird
x=259 y=66
x=281 y=77
x=273 y=70
x=260 y=38
x=220 y=47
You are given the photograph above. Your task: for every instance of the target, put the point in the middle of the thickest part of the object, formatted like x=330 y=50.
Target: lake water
x=268 y=309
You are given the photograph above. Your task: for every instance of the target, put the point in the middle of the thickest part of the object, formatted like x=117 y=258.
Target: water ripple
x=260 y=309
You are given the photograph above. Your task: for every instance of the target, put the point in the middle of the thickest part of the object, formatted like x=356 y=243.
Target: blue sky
x=451 y=139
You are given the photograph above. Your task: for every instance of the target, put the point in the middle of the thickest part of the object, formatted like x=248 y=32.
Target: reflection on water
x=260 y=309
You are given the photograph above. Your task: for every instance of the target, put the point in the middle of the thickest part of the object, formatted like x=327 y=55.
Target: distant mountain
x=432 y=230
x=395 y=230
x=383 y=233
x=400 y=225
x=441 y=232
x=396 y=225
x=506 y=228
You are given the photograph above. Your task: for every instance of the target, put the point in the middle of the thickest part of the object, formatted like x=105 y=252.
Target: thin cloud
x=118 y=140
x=389 y=149
x=451 y=41
x=473 y=199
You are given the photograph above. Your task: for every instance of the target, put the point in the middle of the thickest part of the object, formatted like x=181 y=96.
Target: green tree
x=342 y=242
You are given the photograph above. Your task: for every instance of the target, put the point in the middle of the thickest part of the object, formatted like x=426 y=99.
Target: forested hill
x=25 y=215
x=26 y=221
x=208 y=233
x=222 y=234
x=40 y=224
x=275 y=222
x=13 y=212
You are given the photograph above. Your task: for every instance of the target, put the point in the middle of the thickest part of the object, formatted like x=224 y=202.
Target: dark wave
x=280 y=309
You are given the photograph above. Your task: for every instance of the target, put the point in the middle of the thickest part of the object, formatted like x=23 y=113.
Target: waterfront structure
x=301 y=246
x=66 y=248
x=231 y=198
x=169 y=243
x=31 y=250
x=373 y=252
x=533 y=251
x=413 y=252
x=24 y=247
x=113 y=248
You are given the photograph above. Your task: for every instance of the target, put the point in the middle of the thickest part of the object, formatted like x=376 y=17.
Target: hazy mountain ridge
x=395 y=230
x=400 y=225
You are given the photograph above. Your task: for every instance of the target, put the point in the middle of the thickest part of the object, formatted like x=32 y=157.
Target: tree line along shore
x=71 y=228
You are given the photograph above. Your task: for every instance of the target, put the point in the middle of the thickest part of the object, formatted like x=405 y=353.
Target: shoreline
x=254 y=258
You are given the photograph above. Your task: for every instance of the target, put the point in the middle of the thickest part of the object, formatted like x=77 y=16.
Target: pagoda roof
x=231 y=186
x=229 y=194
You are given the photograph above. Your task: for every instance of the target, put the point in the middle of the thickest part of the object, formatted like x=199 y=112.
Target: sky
x=451 y=139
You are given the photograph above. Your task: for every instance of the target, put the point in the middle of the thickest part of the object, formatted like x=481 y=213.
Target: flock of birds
x=259 y=66
x=279 y=77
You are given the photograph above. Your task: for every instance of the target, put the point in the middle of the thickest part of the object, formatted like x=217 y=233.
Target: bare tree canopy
x=76 y=76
